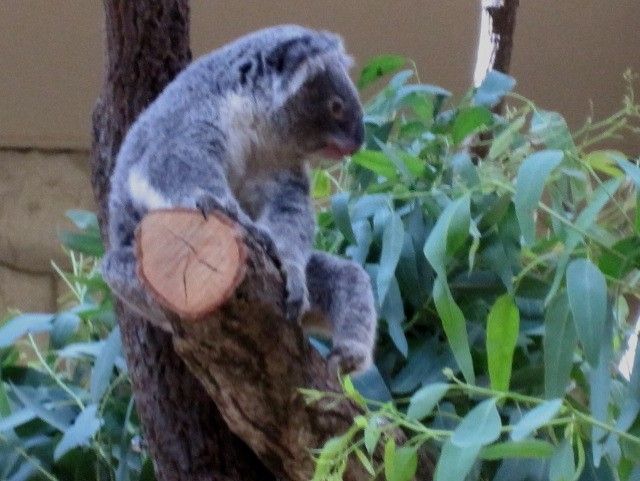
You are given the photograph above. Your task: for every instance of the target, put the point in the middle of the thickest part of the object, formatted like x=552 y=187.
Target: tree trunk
x=147 y=44
x=495 y=42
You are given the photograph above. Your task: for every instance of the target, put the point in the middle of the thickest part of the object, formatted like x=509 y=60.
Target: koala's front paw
x=207 y=203
x=297 y=302
x=263 y=238
x=350 y=358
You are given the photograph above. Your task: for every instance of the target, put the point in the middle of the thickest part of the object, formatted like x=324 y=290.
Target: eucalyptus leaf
x=503 y=324
x=560 y=342
x=377 y=162
x=530 y=181
x=535 y=418
x=562 y=464
x=83 y=219
x=587 y=292
x=454 y=326
x=550 y=129
x=393 y=312
x=448 y=234
x=378 y=67
x=481 y=426
x=80 y=432
x=425 y=399
x=529 y=448
x=455 y=462
x=632 y=171
x=104 y=364
x=392 y=241
x=493 y=88
x=470 y=121
x=22 y=325
x=340 y=209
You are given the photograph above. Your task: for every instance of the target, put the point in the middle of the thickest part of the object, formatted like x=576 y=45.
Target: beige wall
x=567 y=52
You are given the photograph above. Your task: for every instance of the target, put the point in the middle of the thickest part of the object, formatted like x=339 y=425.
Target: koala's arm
x=282 y=207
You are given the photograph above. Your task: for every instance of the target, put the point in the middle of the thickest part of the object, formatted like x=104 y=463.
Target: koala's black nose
x=358 y=132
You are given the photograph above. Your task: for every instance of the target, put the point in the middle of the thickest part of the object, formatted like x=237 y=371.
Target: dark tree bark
x=497 y=24
x=495 y=42
x=147 y=44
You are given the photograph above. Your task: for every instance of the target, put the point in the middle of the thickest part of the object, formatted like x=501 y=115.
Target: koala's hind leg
x=341 y=290
x=119 y=271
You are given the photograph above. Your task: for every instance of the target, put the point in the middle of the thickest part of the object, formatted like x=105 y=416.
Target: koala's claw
x=264 y=239
x=351 y=358
x=206 y=204
x=297 y=302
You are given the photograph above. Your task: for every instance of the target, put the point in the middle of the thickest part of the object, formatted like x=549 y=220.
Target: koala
x=234 y=132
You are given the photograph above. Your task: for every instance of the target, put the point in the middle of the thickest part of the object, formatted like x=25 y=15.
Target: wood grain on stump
x=191 y=264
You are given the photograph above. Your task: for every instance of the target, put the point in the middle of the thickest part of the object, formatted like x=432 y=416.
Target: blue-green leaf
x=22 y=325
x=372 y=433
x=449 y=233
x=392 y=241
x=393 y=312
x=80 y=432
x=503 y=324
x=455 y=462
x=559 y=344
x=632 y=171
x=425 y=399
x=340 y=209
x=562 y=464
x=83 y=219
x=48 y=414
x=103 y=366
x=63 y=326
x=481 y=426
x=534 y=419
x=493 y=88
x=585 y=220
x=529 y=185
x=503 y=141
x=550 y=129
x=454 y=327
x=587 y=291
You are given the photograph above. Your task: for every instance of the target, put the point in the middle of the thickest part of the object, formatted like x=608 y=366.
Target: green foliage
x=503 y=287
x=66 y=411
x=514 y=272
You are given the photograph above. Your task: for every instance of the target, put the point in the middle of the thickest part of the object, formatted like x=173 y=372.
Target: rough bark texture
x=495 y=42
x=147 y=44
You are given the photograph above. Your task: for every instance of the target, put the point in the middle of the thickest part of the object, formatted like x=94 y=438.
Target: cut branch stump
x=231 y=332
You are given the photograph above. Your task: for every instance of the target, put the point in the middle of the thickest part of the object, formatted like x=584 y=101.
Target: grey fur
x=233 y=132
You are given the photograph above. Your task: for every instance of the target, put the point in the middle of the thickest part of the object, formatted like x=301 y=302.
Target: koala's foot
x=297 y=302
x=350 y=358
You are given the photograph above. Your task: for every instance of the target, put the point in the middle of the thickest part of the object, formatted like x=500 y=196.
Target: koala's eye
x=336 y=107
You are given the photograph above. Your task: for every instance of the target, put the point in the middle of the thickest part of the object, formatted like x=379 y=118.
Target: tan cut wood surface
x=191 y=264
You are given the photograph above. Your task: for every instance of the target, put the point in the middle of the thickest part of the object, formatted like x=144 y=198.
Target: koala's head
x=316 y=101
